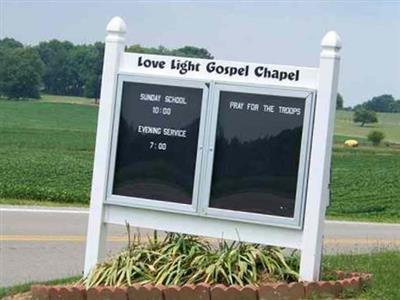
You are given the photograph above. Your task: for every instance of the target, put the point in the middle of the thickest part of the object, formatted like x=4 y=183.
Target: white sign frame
x=301 y=187
x=205 y=153
x=323 y=80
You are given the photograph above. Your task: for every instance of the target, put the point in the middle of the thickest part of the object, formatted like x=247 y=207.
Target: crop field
x=46 y=155
x=46 y=151
x=365 y=184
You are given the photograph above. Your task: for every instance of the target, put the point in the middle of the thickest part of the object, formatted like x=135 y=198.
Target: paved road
x=38 y=244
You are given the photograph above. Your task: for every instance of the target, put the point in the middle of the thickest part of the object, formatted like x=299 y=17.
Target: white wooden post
x=320 y=158
x=97 y=229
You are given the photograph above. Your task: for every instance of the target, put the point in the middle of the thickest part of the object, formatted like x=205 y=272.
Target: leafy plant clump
x=376 y=137
x=183 y=259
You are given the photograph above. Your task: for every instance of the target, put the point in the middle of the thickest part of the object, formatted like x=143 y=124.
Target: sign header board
x=214 y=148
x=224 y=71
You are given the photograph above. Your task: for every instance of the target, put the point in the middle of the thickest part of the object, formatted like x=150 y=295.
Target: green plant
x=376 y=137
x=179 y=259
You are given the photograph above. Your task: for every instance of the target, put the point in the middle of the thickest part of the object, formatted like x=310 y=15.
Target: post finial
x=331 y=45
x=116 y=25
x=332 y=40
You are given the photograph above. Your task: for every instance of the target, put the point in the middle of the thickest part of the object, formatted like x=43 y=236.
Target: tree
x=187 y=51
x=364 y=116
x=93 y=78
x=395 y=107
x=382 y=103
x=358 y=107
x=10 y=43
x=376 y=137
x=190 y=51
x=70 y=69
x=20 y=73
x=339 y=101
x=137 y=48
x=58 y=77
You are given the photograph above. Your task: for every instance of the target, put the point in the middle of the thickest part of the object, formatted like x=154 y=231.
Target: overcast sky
x=267 y=32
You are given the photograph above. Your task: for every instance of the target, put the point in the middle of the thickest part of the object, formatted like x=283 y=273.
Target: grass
x=383 y=266
x=45 y=116
x=340 y=139
x=389 y=123
x=23 y=288
x=44 y=203
x=46 y=157
x=66 y=99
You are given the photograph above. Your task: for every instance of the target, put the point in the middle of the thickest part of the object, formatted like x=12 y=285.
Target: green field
x=66 y=99
x=46 y=150
x=46 y=156
x=365 y=184
x=365 y=180
x=389 y=123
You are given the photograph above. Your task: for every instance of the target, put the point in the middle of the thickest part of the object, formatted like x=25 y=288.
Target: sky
x=272 y=32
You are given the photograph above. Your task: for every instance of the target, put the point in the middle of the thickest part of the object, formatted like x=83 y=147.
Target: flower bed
x=346 y=282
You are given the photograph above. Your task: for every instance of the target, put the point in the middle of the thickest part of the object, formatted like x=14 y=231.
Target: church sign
x=214 y=148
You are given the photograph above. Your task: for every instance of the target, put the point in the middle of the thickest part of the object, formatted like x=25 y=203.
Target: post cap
x=331 y=40
x=116 y=24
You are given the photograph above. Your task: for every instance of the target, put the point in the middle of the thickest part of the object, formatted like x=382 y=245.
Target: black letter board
x=257 y=153
x=157 y=142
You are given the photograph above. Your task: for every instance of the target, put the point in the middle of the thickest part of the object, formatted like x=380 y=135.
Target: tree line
x=366 y=113
x=63 y=68
x=383 y=103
